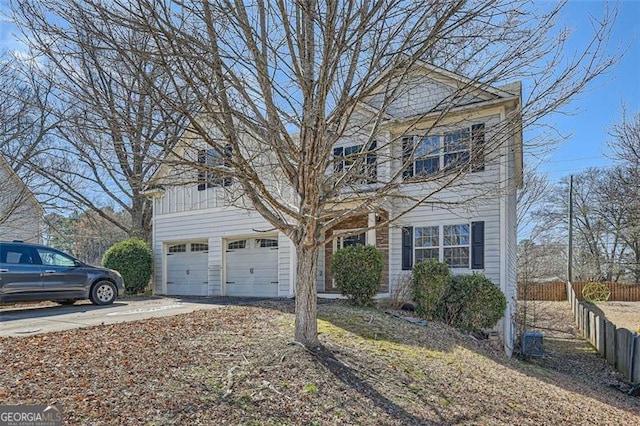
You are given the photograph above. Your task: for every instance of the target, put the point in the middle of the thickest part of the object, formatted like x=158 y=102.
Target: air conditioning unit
x=532 y=344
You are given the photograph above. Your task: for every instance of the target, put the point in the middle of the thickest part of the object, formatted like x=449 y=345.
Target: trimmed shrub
x=357 y=271
x=429 y=283
x=134 y=260
x=472 y=303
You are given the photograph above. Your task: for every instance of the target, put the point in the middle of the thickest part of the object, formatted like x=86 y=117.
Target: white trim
x=198 y=211
x=507 y=336
x=293 y=264
x=165 y=250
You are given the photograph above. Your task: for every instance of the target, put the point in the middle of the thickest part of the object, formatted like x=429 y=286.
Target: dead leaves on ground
x=234 y=365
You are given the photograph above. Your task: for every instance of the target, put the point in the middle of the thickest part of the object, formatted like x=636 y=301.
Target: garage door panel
x=252 y=271
x=187 y=272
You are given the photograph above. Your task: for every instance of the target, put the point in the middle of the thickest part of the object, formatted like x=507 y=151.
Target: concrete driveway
x=25 y=319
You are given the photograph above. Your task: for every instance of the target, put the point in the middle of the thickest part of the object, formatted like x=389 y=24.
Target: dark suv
x=32 y=272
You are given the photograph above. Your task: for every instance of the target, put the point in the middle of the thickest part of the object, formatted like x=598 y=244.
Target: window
x=211 y=172
x=448 y=243
x=428 y=156
x=235 y=245
x=178 y=248
x=455 y=244
x=456 y=149
x=427 y=243
x=267 y=242
x=199 y=247
x=360 y=164
x=349 y=240
x=432 y=154
x=17 y=255
x=54 y=258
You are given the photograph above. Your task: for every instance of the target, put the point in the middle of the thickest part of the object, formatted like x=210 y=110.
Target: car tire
x=67 y=302
x=103 y=293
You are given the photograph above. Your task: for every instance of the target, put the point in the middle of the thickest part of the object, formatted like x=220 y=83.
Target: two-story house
x=204 y=246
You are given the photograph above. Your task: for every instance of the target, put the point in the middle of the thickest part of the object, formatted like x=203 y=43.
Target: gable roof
x=476 y=95
x=428 y=90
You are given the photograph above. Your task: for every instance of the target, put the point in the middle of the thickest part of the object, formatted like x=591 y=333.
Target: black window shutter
x=228 y=151
x=202 y=175
x=477 y=147
x=407 y=248
x=372 y=167
x=338 y=160
x=407 y=164
x=477 y=245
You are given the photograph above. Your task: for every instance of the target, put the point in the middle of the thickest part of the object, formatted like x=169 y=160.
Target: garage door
x=187 y=273
x=252 y=267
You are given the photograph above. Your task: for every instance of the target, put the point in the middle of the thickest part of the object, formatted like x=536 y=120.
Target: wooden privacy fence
x=619 y=346
x=556 y=291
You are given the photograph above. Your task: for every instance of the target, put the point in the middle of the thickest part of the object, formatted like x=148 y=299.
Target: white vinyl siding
x=421 y=94
x=214 y=225
x=428 y=216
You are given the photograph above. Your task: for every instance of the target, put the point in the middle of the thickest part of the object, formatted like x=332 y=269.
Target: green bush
x=357 y=271
x=472 y=303
x=134 y=260
x=430 y=280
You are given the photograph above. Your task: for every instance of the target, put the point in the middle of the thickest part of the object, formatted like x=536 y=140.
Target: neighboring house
x=21 y=215
x=204 y=247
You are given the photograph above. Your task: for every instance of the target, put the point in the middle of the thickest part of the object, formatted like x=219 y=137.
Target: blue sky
x=596 y=110
x=599 y=107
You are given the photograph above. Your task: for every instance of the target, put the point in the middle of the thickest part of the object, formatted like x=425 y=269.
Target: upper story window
x=360 y=163
x=432 y=154
x=213 y=159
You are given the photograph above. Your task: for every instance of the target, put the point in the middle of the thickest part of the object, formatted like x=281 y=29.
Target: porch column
x=371 y=233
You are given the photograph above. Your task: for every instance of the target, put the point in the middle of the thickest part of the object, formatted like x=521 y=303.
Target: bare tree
x=625 y=145
x=277 y=84
x=623 y=192
x=106 y=130
x=605 y=233
x=22 y=129
x=534 y=191
x=87 y=235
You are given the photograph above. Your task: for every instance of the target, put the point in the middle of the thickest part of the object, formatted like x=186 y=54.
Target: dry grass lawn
x=622 y=314
x=236 y=365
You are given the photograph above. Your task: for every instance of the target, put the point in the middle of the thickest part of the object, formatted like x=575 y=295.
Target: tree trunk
x=306 y=298
x=139 y=221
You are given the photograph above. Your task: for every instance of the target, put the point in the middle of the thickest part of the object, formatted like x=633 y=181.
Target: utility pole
x=570 y=219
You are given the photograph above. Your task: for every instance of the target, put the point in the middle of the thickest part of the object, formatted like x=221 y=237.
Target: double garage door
x=251 y=268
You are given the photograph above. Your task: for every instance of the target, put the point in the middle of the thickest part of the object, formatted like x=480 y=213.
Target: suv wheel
x=103 y=293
